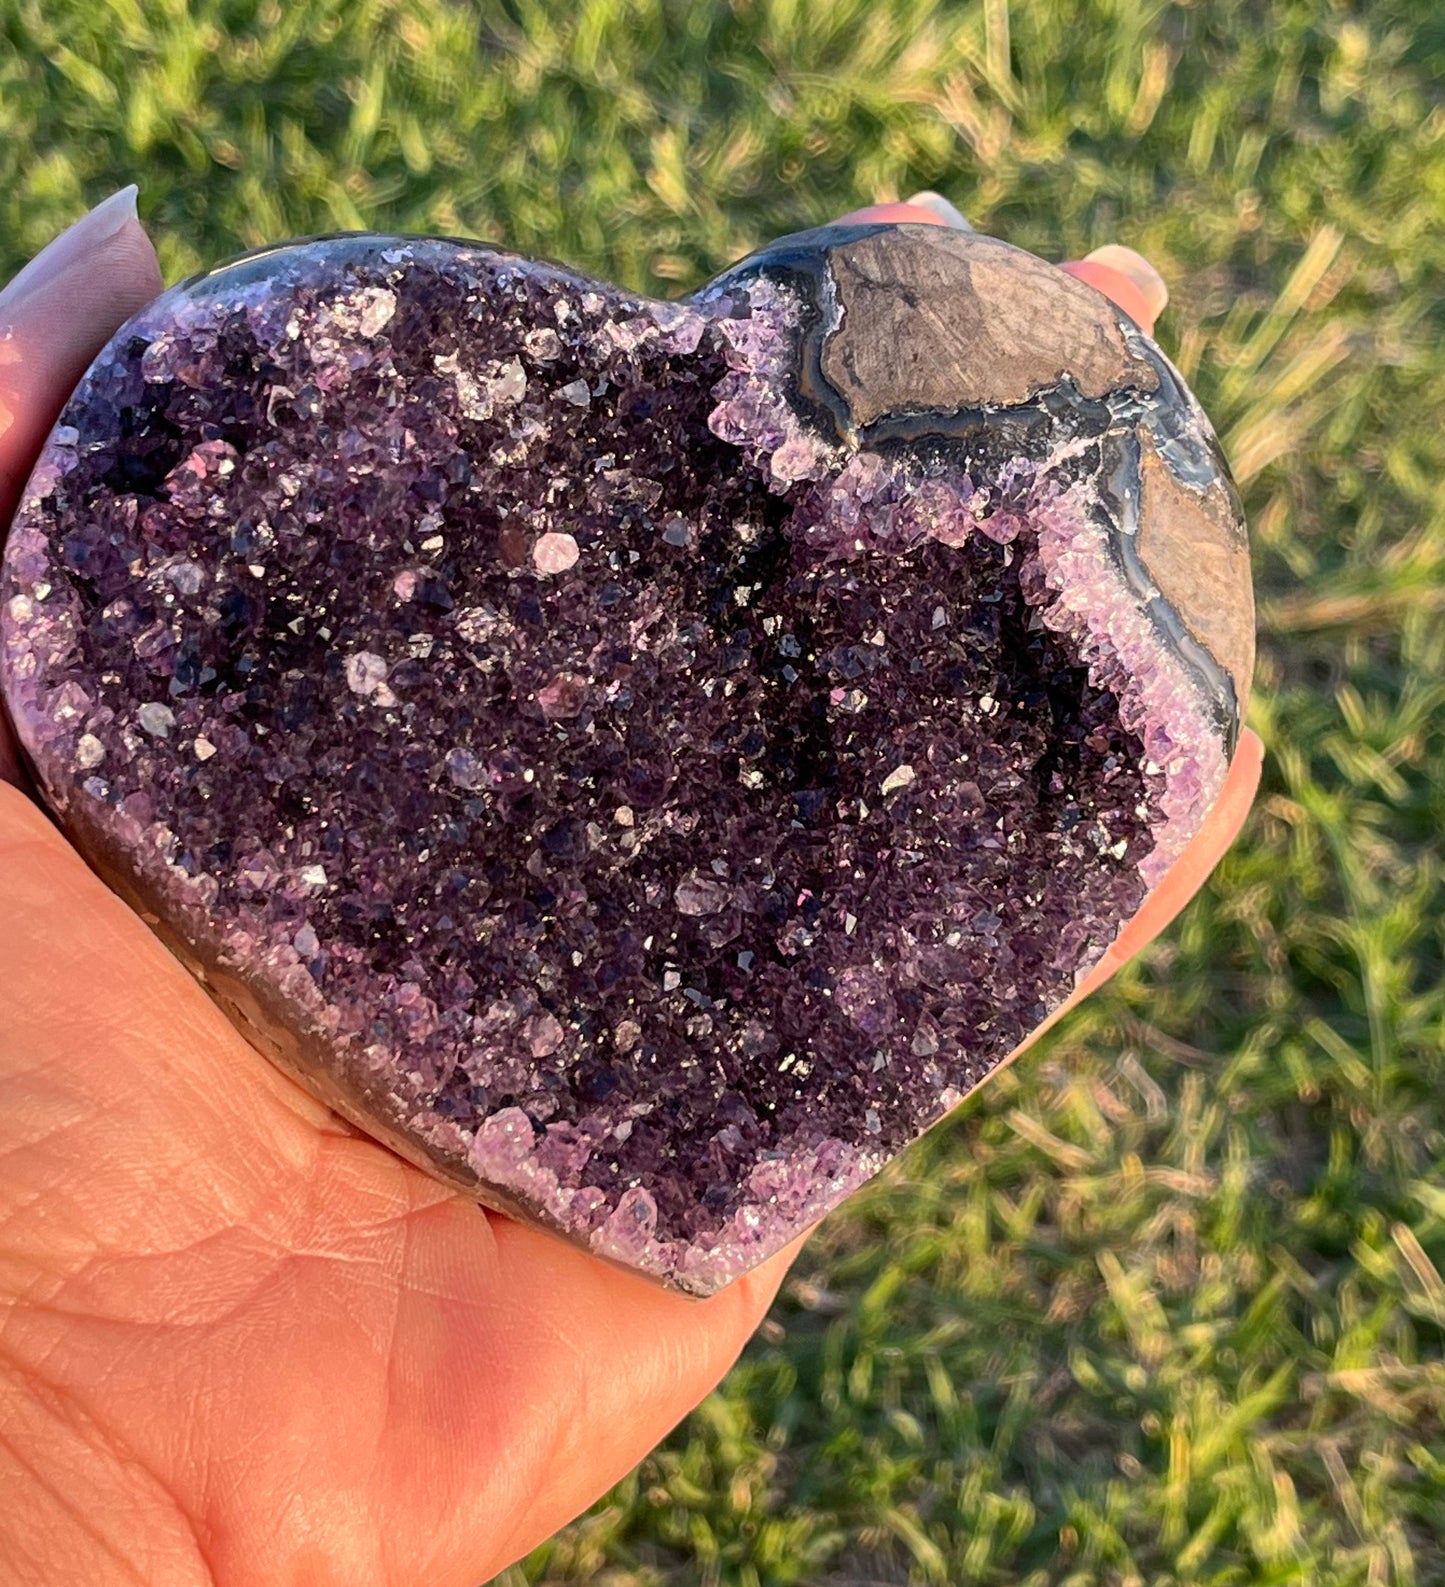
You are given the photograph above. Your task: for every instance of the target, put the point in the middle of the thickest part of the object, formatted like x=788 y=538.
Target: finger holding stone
x=1126 y=278
x=55 y=316
x=910 y=213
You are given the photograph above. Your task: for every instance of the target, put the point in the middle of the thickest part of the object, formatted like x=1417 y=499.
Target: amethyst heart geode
x=644 y=761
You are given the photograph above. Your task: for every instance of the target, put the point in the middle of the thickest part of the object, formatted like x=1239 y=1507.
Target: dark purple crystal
x=643 y=802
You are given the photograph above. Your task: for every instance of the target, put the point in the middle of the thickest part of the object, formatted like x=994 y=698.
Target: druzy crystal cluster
x=640 y=790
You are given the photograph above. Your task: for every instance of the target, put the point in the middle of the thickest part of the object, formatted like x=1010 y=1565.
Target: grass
x=1165 y=1305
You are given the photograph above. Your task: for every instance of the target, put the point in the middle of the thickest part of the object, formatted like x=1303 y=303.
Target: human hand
x=239 y=1342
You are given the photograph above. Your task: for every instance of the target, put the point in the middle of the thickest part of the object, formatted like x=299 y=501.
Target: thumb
x=55 y=316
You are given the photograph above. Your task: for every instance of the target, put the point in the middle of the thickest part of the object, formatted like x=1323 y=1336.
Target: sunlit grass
x=1166 y=1305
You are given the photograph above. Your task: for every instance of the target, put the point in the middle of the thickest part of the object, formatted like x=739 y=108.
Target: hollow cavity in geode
x=636 y=800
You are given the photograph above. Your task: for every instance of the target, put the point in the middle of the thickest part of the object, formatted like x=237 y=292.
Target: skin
x=240 y=1343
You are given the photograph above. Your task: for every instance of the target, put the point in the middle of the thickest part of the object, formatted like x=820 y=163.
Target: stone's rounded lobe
x=1004 y=347
x=931 y=317
x=637 y=802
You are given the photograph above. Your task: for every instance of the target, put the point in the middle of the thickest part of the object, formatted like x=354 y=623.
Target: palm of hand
x=270 y=1347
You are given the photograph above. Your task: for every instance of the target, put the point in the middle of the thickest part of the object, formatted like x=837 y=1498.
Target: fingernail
x=1138 y=270
x=87 y=234
x=946 y=212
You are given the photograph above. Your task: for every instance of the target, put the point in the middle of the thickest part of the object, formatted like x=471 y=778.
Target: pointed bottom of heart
x=639 y=807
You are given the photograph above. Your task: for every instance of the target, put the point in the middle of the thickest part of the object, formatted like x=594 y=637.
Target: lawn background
x=1165 y=1303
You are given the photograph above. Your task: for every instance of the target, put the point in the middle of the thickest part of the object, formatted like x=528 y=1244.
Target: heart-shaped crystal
x=644 y=761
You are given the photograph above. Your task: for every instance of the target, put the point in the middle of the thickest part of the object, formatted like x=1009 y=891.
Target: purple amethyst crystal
x=644 y=761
